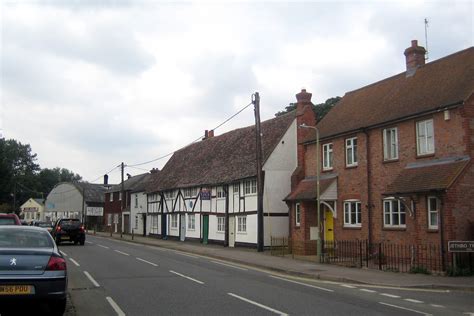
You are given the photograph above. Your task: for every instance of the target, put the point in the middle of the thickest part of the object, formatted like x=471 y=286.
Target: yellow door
x=328 y=226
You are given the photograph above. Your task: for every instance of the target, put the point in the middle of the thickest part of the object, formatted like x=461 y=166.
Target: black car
x=69 y=229
x=31 y=268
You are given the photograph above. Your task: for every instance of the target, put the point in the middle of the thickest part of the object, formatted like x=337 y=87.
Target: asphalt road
x=110 y=277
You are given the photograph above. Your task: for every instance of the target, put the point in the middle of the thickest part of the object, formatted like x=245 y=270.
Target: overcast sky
x=93 y=83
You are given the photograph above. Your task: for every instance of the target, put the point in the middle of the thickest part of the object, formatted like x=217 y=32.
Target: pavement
x=305 y=268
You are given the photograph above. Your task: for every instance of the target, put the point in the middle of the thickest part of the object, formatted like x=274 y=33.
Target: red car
x=9 y=219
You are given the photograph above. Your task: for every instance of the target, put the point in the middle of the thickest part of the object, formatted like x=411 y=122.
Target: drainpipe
x=369 y=193
x=441 y=235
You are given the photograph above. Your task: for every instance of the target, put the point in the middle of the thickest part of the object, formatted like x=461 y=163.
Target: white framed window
x=191 y=221
x=220 y=192
x=221 y=224
x=394 y=213
x=250 y=187
x=174 y=221
x=425 y=137
x=111 y=198
x=236 y=188
x=242 y=224
x=352 y=213
x=298 y=214
x=136 y=200
x=433 y=212
x=327 y=156
x=351 y=152
x=116 y=218
x=390 y=143
x=190 y=192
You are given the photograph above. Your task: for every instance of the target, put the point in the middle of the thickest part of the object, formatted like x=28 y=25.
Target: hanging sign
x=205 y=194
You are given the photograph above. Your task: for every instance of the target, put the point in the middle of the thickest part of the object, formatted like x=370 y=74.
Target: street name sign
x=461 y=246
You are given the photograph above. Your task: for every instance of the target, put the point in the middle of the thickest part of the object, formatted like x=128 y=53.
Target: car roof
x=21 y=227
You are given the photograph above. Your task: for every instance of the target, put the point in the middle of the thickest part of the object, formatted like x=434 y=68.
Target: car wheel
x=83 y=242
x=58 y=307
x=76 y=242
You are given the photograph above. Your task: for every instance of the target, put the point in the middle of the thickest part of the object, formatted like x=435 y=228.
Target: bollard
x=133 y=234
x=121 y=234
x=110 y=231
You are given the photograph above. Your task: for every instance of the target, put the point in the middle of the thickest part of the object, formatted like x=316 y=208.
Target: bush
x=419 y=269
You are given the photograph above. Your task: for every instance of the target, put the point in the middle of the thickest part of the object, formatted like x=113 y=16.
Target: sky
x=90 y=84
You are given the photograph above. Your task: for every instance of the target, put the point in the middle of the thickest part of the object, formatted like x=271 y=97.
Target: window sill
x=394 y=228
x=241 y=233
x=390 y=160
x=352 y=166
x=328 y=169
x=425 y=155
x=191 y=229
x=219 y=232
x=432 y=230
x=352 y=227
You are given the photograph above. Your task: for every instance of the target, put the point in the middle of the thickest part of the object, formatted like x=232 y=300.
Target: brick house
x=396 y=160
x=117 y=207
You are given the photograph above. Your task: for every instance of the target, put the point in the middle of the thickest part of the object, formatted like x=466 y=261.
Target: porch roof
x=435 y=175
x=306 y=189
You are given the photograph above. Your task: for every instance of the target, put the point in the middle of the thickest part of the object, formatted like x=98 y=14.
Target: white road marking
x=88 y=242
x=75 y=262
x=229 y=265
x=64 y=254
x=389 y=295
x=103 y=246
x=186 y=277
x=407 y=309
x=143 y=260
x=185 y=254
x=121 y=252
x=301 y=283
x=114 y=305
x=348 y=286
x=258 y=304
x=368 y=291
x=436 y=305
x=91 y=279
x=413 y=301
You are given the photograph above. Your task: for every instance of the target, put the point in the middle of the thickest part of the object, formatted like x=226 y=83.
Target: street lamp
x=318 y=204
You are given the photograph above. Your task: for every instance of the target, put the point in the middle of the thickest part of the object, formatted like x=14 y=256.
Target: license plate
x=64 y=237
x=16 y=289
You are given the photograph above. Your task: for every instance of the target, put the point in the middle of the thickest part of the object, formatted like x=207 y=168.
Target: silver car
x=31 y=268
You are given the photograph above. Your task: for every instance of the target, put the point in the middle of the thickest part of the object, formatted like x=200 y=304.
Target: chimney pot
x=106 y=179
x=303 y=97
x=211 y=133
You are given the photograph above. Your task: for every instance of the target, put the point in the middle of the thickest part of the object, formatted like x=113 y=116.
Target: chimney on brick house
x=106 y=179
x=304 y=115
x=415 y=57
x=208 y=134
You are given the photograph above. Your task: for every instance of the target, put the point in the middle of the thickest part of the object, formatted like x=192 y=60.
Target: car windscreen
x=22 y=238
x=7 y=221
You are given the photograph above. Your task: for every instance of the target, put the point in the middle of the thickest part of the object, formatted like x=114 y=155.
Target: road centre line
x=413 y=301
x=103 y=246
x=91 y=279
x=229 y=265
x=186 y=277
x=389 y=295
x=404 y=308
x=143 y=260
x=258 y=304
x=121 y=252
x=368 y=291
x=301 y=283
x=114 y=305
x=64 y=254
x=74 y=261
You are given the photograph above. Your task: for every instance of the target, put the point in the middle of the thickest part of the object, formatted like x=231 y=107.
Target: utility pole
x=258 y=135
x=14 y=198
x=123 y=197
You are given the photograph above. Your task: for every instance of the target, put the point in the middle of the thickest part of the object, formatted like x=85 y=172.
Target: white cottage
x=207 y=191
x=32 y=210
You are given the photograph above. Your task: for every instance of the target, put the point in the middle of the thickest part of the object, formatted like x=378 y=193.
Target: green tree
x=320 y=109
x=48 y=178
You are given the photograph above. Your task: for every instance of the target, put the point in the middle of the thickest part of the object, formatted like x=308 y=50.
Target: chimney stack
x=415 y=56
x=211 y=133
x=106 y=179
x=129 y=175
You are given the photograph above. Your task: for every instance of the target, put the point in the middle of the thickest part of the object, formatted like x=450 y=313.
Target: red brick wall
x=300 y=235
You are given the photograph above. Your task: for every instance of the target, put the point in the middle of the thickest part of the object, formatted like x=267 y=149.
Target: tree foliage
x=320 y=109
x=21 y=176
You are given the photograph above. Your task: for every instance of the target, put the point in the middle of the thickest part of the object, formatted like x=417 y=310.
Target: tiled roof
x=306 y=189
x=39 y=201
x=220 y=159
x=437 y=84
x=93 y=192
x=136 y=183
x=432 y=176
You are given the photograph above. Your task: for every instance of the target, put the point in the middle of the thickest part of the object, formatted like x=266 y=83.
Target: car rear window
x=70 y=223
x=7 y=221
x=44 y=225
x=25 y=239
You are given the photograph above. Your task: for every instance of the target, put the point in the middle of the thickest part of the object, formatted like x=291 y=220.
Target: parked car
x=31 y=268
x=24 y=222
x=69 y=229
x=46 y=225
x=9 y=219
